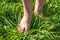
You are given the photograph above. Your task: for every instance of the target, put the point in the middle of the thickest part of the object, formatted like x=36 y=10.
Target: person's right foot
x=24 y=26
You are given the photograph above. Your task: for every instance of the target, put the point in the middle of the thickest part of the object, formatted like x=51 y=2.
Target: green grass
x=11 y=13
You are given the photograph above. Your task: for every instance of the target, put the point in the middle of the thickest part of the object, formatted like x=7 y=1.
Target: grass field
x=11 y=12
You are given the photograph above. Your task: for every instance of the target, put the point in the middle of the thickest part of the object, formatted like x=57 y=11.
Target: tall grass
x=11 y=13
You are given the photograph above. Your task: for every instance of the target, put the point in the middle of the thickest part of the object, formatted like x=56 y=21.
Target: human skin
x=24 y=25
x=38 y=6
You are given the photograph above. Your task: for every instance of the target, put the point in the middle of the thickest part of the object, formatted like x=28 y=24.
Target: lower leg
x=38 y=6
x=26 y=20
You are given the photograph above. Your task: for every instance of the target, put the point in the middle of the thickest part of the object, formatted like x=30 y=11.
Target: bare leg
x=38 y=6
x=24 y=26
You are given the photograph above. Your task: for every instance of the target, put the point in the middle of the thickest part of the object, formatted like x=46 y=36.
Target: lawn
x=11 y=13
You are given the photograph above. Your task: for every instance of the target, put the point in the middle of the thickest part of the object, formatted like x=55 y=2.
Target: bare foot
x=37 y=12
x=41 y=15
x=24 y=26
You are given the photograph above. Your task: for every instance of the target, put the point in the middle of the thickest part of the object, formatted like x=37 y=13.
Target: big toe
x=20 y=29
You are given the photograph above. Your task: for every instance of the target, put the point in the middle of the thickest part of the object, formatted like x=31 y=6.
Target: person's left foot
x=37 y=11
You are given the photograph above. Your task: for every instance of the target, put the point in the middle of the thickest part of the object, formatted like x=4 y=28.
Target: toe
x=20 y=29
